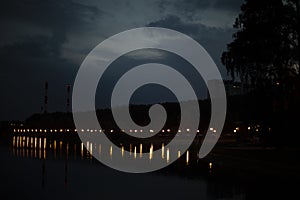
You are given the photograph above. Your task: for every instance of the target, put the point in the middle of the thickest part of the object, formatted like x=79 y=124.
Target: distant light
x=111 y=131
x=237 y=128
x=151 y=131
x=211 y=129
x=187 y=157
x=249 y=127
x=135 y=131
x=210 y=165
x=91 y=131
x=130 y=130
x=198 y=131
x=234 y=131
x=215 y=131
x=163 y=131
x=187 y=129
x=257 y=130
x=179 y=131
x=141 y=130
x=68 y=130
x=277 y=83
x=168 y=130
x=82 y=130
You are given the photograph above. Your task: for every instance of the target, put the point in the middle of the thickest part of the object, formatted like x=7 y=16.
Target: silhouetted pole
x=68 y=97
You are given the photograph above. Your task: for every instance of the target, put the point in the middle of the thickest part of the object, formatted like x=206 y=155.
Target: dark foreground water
x=65 y=171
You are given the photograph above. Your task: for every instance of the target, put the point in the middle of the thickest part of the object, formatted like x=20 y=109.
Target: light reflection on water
x=37 y=147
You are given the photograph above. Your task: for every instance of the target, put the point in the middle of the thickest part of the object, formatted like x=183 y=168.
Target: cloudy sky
x=48 y=40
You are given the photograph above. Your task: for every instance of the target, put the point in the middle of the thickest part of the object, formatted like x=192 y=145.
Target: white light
x=234 y=130
x=211 y=129
x=187 y=129
x=151 y=131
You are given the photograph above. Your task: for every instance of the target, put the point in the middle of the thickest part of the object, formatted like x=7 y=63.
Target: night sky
x=47 y=40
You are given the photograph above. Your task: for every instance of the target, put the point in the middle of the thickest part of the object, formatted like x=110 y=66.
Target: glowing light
x=188 y=130
x=60 y=130
x=81 y=150
x=130 y=149
x=234 y=131
x=110 y=151
x=134 y=152
x=168 y=155
x=122 y=151
x=198 y=131
x=141 y=131
x=68 y=130
x=82 y=130
x=168 y=130
x=91 y=131
x=210 y=165
x=141 y=150
x=215 y=131
x=237 y=128
x=151 y=131
x=179 y=131
x=163 y=151
x=163 y=131
x=249 y=127
x=111 y=131
x=91 y=149
x=211 y=129
x=178 y=154
x=151 y=152
x=135 y=131
x=187 y=157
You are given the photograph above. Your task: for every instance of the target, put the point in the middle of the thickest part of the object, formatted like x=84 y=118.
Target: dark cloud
x=47 y=40
x=213 y=39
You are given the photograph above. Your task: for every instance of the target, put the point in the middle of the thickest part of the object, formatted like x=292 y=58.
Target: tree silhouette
x=265 y=48
x=264 y=54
